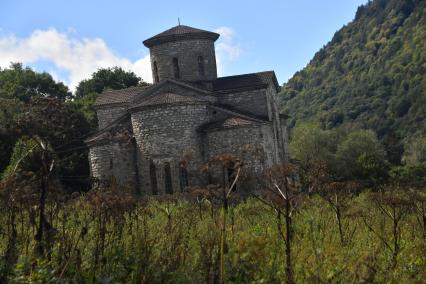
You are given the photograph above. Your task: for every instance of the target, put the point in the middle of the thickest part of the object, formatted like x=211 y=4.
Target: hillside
x=372 y=73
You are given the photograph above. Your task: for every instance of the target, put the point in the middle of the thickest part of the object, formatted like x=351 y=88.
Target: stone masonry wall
x=253 y=101
x=114 y=159
x=168 y=134
x=279 y=126
x=233 y=140
x=108 y=115
x=187 y=53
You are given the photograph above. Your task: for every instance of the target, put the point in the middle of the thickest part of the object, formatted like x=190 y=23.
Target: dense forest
x=372 y=74
x=350 y=206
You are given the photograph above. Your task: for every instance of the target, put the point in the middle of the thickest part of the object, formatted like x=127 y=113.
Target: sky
x=73 y=39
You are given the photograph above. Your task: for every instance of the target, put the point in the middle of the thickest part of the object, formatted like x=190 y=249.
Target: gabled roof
x=229 y=122
x=180 y=32
x=119 y=96
x=178 y=83
x=168 y=98
x=134 y=95
x=251 y=80
x=233 y=119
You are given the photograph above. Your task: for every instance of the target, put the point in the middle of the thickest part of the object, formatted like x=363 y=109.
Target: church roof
x=260 y=79
x=134 y=95
x=180 y=32
x=229 y=122
x=220 y=85
x=167 y=98
x=119 y=96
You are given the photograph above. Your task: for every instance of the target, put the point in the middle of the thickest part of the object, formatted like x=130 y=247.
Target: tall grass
x=114 y=237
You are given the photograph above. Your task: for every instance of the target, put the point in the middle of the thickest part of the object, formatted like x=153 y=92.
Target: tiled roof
x=260 y=79
x=167 y=98
x=178 y=33
x=119 y=96
x=134 y=95
x=228 y=123
x=230 y=111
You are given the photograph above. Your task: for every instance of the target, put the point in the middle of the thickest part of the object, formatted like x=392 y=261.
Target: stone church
x=155 y=139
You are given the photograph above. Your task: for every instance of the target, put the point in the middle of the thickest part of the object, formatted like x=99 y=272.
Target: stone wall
x=234 y=140
x=187 y=53
x=253 y=101
x=168 y=134
x=114 y=160
x=106 y=115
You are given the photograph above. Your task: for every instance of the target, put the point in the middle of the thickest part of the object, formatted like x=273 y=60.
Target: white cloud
x=227 y=50
x=80 y=57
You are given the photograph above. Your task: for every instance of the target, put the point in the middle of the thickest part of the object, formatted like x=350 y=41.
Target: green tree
x=371 y=73
x=415 y=151
x=21 y=83
x=60 y=125
x=309 y=142
x=9 y=110
x=107 y=78
x=85 y=106
x=360 y=155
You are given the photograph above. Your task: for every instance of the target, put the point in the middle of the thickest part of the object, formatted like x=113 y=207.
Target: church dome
x=180 y=32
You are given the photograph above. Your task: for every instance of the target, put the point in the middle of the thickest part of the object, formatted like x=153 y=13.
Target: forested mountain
x=372 y=73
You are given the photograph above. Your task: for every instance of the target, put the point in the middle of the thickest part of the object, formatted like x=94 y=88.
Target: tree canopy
x=21 y=83
x=349 y=152
x=372 y=73
x=107 y=78
x=60 y=124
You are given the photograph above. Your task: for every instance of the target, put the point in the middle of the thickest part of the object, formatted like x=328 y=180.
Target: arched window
x=200 y=65
x=183 y=176
x=168 y=179
x=156 y=79
x=176 y=68
x=153 y=177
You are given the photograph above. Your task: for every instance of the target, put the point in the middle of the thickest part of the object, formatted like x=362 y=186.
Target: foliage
x=362 y=156
x=23 y=157
x=21 y=83
x=104 y=79
x=409 y=174
x=415 y=151
x=372 y=73
x=10 y=109
x=107 y=78
x=109 y=236
x=310 y=142
x=349 y=153
x=85 y=106
x=58 y=123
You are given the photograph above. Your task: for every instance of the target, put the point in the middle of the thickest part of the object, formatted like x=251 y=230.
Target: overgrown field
x=117 y=238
